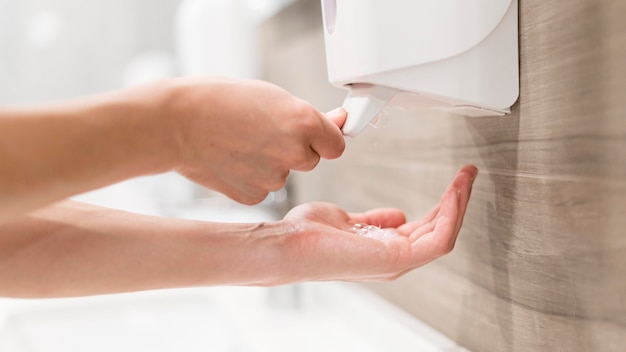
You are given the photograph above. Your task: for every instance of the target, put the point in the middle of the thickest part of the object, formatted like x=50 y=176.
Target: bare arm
x=71 y=249
x=51 y=152
x=240 y=138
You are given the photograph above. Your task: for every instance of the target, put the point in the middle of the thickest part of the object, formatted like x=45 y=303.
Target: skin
x=238 y=137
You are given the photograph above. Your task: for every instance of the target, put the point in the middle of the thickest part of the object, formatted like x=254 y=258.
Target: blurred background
x=60 y=49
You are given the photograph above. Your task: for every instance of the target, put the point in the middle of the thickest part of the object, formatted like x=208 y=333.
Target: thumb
x=337 y=116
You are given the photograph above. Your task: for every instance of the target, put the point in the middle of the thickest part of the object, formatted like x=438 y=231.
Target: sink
x=324 y=317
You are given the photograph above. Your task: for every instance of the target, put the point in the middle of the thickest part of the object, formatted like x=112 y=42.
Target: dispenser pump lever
x=363 y=103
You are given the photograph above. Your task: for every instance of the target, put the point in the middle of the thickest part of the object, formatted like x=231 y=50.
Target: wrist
x=265 y=257
x=186 y=106
x=209 y=254
x=150 y=136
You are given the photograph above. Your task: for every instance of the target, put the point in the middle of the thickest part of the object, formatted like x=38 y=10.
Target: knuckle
x=248 y=198
x=309 y=164
x=300 y=107
x=278 y=182
x=303 y=158
x=300 y=154
x=313 y=162
x=306 y=119
x=257 y=198
x=338 y=150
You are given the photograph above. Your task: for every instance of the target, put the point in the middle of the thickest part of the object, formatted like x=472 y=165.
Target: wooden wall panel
x=540 y=264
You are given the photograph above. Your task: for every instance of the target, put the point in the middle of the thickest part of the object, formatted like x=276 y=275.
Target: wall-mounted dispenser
x=455 y=55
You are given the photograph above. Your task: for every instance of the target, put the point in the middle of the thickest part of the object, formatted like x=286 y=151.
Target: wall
x=540 y=264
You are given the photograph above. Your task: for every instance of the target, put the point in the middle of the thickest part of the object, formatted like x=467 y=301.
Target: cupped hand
x=242 y=138
x=322 y=247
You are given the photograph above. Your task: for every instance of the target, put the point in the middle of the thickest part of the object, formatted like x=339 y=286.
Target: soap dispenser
x=459 y=56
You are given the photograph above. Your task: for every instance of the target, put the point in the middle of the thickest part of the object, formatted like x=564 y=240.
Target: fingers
x=330 y=143
x=337 y=116
x=240 y=190
x=436 y=242
x=463 y=182
x=411 y=228
x=440 y=239
x=385 y=217
x=309 y=160
x=355 y=258
x=326 y=140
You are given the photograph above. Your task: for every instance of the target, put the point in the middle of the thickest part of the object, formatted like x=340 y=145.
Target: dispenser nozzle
x=363 y=103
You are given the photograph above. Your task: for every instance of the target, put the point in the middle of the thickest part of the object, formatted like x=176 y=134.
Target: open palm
x=322 y=247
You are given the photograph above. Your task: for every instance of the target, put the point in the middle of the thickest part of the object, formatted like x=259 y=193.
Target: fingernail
x=474 y=177
x=336 y=112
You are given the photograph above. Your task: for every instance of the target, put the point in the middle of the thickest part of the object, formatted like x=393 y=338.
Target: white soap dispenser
x=454 y=55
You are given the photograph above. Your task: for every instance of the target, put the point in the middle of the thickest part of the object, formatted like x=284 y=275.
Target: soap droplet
x=380 y=120
x=375 y=232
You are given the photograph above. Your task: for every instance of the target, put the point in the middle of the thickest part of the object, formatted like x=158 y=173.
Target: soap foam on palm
x=375 y=232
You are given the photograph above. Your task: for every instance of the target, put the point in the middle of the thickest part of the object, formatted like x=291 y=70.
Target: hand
x=132 y=252
x=323 y=248
x=242 y=138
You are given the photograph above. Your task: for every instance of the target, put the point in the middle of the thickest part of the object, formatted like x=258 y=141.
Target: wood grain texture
x=540 y=264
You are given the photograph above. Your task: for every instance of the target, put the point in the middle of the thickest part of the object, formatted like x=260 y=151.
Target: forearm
x=54 y=151
x=71 y=249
